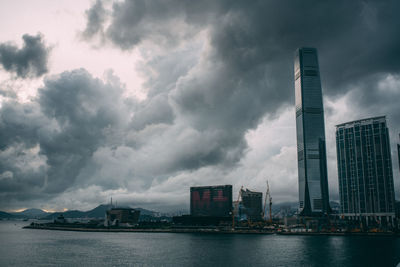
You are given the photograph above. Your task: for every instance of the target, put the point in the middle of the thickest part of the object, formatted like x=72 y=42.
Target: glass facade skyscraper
x=365 y=169
x=310 y=128
x=398 y=153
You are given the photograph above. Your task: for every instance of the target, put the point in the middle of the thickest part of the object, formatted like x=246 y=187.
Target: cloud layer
x=219 y=83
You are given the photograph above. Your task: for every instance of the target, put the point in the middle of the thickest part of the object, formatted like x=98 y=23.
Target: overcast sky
x=139 y=100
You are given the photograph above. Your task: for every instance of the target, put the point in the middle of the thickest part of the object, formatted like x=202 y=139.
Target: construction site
x=217 y=209
x=212 y=206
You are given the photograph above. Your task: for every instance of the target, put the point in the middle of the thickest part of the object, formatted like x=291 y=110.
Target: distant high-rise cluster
x=310 y=126
x=365 y=170
x=363 y=152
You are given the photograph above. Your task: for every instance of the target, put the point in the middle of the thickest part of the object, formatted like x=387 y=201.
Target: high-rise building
x=365 y=170
x=211 y=200
x=252 y=204
x=310 y=127
x=398 y=152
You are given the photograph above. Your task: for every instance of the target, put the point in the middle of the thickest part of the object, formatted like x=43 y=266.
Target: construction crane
x=268 y=196
x=236 y=207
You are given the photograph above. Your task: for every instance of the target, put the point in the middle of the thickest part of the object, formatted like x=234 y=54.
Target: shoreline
x=204 y=231
x=155 y=230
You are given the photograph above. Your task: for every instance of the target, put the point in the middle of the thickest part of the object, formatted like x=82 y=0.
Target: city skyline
x=139 y=102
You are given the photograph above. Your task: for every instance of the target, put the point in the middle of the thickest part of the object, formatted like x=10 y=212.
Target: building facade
x=211 y=201
x=365 y=170
x=398 y=152
x=252 y=204
x=122 y=217
x=310 y=129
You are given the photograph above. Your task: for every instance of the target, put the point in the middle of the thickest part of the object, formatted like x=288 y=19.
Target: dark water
x=26 y=247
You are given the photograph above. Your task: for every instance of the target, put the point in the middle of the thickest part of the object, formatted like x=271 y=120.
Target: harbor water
x=30 y=247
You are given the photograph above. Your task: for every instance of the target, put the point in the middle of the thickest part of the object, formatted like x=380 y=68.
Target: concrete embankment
x=138 y=230
x=203 y=231
x=340 y=233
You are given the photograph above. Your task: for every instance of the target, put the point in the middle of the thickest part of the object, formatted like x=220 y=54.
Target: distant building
x=365 y=170
x=237 y=208
x=252 y=204
x=60 y=219
x=290 y=220
x=310 y=127
x=397 y=209
x=122 y=217
x=211 y=201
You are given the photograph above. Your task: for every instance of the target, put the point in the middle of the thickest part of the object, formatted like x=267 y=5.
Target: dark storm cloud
x=57 y=133
x=136 y=21
x=153 y=111
x=247 y=71
x=28 y=61
x=354 y=38
x=378 y=95
x=20 y=124
x=83 y=108
x=22 y=170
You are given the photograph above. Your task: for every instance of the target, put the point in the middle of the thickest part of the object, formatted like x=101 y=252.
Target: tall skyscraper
x=398 y=152
x=310 y=127
x=365 y=170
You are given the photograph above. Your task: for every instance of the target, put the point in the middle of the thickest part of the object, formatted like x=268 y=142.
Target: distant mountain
x=276 y=207
x=66 y=214
x=146 y=212
x=98 y=212
x=6 y=215
x=31 y=213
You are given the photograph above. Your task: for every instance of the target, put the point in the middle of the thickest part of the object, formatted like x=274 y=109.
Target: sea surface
x=30 y=247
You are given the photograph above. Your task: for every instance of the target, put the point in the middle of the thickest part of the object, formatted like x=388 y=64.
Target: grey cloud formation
x=96 y=16
x=28 y=61
x=160 y=21
x=61 y=129
x=153 y=111
x=84 y=109
x=354 y=39
x=245 y=70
